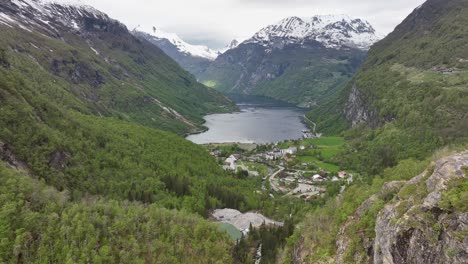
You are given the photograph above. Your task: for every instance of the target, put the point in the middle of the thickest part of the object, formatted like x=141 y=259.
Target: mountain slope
x=193 y=58
x=106 y=69
x=413 y=214
x=410 y=96
x=40 y=224
x=299 y=60
x=80 y=101
x=409 y=99
x=94 y=135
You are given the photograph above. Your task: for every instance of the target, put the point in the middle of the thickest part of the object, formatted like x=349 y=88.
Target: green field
x=260 y=168
x=324 y=150
x=307 y=159
x=210 y=84
x=233 y=232
x=325 y=141
x=327 y=166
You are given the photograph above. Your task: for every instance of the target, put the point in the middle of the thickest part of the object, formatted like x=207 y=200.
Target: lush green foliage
x=300 y=75
x=318 y=231
x=414 y=83
x=311 y=77
x=270 y=238
x=136 y=85
x=38 y=224
x=87 y=154
x=456 y=196
x=321 y=152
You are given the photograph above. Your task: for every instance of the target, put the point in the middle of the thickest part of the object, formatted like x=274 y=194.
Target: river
x=258 y=121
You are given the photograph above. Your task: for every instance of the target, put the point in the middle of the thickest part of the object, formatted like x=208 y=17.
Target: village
x=299 y=168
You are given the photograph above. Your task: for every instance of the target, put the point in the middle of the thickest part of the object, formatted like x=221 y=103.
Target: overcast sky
x=216 y=22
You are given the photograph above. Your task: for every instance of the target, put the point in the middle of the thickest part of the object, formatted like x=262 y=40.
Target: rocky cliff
x=424 y=220
x=421 y=225
x=357 y=109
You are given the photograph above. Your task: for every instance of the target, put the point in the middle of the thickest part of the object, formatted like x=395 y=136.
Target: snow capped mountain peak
x=49 y=15
x=184 y=47
x=333 y=31
x=233 y=44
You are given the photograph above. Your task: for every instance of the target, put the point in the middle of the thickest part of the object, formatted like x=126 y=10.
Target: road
x=272 y=177
x=313 y=123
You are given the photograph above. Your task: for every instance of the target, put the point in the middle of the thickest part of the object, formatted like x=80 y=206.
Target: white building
x=317 y=177
x=290 y=150
x=230 y=163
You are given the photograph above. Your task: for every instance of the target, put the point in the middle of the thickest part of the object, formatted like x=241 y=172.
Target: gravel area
x=242 y=221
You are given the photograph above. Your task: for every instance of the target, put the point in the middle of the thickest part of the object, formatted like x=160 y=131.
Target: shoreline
x=302 y=119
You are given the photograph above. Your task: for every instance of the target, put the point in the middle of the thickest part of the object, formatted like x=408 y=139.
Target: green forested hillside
x=38 y=224
x=412 y=89
x=64 y=142
x=409 y=99
x=104 y=68
x=80 y=113
x=302 y=75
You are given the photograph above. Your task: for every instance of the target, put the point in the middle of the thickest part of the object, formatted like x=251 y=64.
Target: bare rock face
x=415 y=229
x=343 y=241
x=358 y=111
x=59 y=159
x=7 y=156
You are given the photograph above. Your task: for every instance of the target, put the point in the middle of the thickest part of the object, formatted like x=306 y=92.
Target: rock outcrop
x=7 y=156
x=343 y=241
x=415 y=228
x=357 y=109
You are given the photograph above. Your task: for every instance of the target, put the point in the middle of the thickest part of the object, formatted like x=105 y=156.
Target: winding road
x=272 y=176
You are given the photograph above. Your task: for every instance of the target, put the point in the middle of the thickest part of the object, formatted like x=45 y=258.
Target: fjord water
x=258 y=121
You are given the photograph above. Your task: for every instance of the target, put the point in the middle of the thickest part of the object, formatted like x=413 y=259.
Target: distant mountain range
x=298 y=60
x=180 y=45
x=332 y=31
x=193 y=58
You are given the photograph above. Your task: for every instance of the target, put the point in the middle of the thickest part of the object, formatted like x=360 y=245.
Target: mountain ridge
x=300 y=62
x=112 y=72
x=182 y=46
x=333 y=31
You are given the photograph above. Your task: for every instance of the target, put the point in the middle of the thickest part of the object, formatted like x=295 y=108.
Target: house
x=350 y=179
x=290 y=150
x=334 y=179
x=215 y=152
x=302 y=147
x=317 y=177
x=342 y=174
x=230 y=163
x=269 y=156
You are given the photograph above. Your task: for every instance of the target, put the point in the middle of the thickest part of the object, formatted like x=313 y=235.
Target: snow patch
x=233 y=44
x=333 y=31
x=95 y=51
x=184 y=47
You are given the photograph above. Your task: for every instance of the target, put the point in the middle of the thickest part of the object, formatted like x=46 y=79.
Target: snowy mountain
x=333 y=31
x=233 y=44
x=299 y=60
x=182 y=46
x=50 y=16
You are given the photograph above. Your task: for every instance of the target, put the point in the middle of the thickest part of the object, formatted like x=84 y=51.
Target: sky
x=216 y=22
